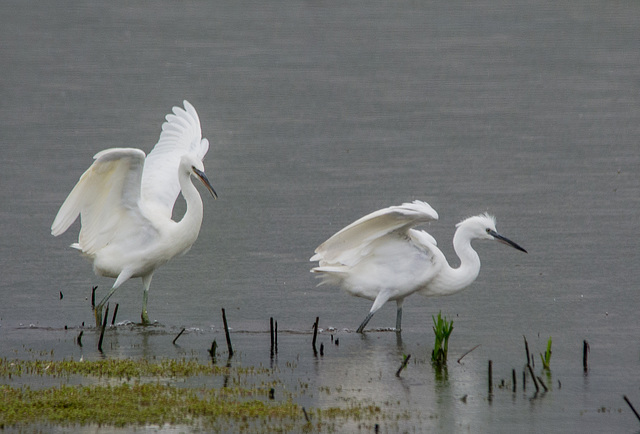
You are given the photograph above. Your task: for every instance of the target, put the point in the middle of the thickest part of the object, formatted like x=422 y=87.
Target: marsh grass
x=134 y=404
x=133 y=393
x=117 y=368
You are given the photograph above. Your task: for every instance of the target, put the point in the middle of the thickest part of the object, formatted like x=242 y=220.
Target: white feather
x=181 y=135
x=106 y=194
x=350 y=244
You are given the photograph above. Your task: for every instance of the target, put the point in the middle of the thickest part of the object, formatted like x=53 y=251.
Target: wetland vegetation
x=128 y=392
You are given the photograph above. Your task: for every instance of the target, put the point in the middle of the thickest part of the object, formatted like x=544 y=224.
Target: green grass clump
x=546 y=358
x=442 y=329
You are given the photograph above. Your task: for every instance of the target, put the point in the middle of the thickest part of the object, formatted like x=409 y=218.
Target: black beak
x=206 y=182
x=505 y=240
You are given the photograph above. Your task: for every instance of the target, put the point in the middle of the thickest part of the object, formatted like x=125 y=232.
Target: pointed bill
x=507 y=241
x=206 y=182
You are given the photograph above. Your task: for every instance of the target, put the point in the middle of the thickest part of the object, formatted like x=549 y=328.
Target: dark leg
x=364 y=323
x=399 y=315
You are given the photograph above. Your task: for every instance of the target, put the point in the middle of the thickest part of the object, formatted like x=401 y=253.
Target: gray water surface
x=319 y=113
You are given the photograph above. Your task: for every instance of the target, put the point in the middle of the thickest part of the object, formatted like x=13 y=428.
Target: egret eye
x=488 y=230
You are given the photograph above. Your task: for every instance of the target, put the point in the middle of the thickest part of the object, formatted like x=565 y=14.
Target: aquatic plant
x=442 y=329
x=546 y=359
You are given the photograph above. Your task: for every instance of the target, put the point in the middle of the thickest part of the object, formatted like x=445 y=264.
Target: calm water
x=321 y=112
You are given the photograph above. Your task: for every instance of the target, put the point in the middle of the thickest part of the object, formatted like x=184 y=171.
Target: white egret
x=381 y=257
x=125 y=202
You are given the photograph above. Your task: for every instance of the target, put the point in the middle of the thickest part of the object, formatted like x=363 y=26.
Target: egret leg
x=364 y=323
x=123 y=277
x=399 y=316
x=146 y=282
x=99 y=309
x=381 y=299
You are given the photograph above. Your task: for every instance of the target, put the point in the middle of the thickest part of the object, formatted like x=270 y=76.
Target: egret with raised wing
x=125 y=201
x=381 y=257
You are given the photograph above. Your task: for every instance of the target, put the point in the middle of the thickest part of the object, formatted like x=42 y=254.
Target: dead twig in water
x=526 y=348
x=179 y=334
x=461 y=357
x=93 y=297
x=79 y=338
x=404 y=364
x=630 y=405
x=542 y=384
x=212 y=351
x=585 y=355
x=226 y=333
x=115 y=312
x=104 y=326
x=533 y=378
x=315 y=336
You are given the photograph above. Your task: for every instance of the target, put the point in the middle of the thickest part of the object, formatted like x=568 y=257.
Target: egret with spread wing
x=125 y=202
x=381 y=257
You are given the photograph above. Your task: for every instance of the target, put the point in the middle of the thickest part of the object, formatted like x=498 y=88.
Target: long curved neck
x=189 y=226
x=451 y=280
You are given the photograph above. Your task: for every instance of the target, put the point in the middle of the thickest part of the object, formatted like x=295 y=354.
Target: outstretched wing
x=181 y=134
x=353 y=242
x=107 y=193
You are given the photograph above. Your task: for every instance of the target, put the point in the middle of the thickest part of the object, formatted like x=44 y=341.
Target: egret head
x=483 y=227
x=196 y=168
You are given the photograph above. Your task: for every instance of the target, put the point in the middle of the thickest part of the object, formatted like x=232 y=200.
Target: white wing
x=353 y=242
x=181 y=135
x=107 y=193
